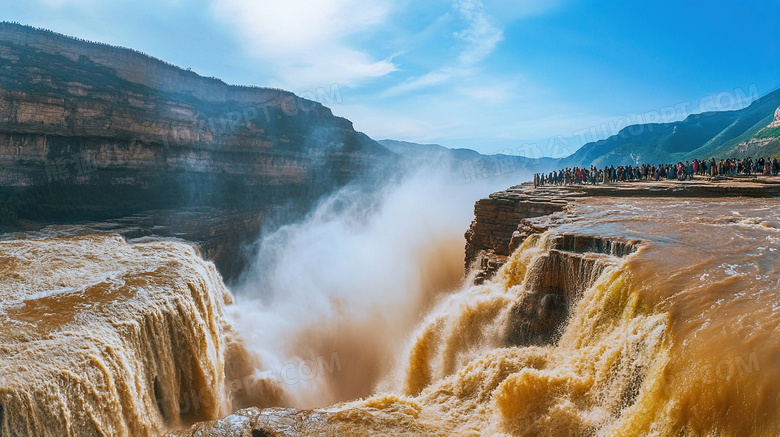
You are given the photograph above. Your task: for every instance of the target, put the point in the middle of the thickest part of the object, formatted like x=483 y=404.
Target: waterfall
x=103 y=337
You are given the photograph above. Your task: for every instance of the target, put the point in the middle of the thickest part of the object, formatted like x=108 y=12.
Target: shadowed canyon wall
x=94 y=132
x=91 y=131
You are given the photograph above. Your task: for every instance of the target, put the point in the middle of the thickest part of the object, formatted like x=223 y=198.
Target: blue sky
x=521 y=77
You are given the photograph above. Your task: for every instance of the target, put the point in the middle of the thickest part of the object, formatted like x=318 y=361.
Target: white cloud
x=480 y=37
x=305 y=42
x=430 y=79
x=510 y=10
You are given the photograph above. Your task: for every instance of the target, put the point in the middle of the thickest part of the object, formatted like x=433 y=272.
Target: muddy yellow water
x=102 y=337
x=680 y=338
x=713 y=268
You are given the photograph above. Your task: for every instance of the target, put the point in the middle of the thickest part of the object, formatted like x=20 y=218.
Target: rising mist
x=346 y=286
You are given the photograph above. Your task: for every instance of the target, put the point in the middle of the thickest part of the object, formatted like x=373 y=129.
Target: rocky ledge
x=503 y=220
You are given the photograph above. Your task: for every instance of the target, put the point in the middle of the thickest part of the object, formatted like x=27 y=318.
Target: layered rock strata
x=90 y=128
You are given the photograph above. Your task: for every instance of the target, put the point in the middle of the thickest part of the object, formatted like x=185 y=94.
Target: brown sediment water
x=713 y=268
x=678 y=338
x=101 y=337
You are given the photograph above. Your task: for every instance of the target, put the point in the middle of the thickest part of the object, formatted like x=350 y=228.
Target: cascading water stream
x=677 y=338
x=676 y=335
x=102 y=337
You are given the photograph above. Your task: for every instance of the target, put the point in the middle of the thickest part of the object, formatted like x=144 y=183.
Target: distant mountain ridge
x=468 y=160
x=710 y=134
x=750 y=131
x=409 y=149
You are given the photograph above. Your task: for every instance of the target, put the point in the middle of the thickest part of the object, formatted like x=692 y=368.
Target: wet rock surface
x=558 y=280
x=497 y=217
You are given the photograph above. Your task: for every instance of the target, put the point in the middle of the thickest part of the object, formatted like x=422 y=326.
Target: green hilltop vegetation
x=769 y=132
x=721 y=134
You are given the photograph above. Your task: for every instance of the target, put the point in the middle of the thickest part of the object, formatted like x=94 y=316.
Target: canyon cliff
x=89 y=130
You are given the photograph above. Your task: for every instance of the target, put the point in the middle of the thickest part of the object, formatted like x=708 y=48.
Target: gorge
x=185 y=257
x=93 y=132
x=600 y=323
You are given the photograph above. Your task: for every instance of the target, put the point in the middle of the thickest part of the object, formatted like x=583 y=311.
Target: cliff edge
x=91 y=130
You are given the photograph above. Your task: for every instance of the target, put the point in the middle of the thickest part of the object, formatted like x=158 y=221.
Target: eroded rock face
x=502 y=222
x=100 y=133
x=271 y=422
x=154 y=135
x=558 y=280
x=497 y=217
x=776 y=121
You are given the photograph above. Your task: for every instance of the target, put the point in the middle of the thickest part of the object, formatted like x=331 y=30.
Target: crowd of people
x=680 y=171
